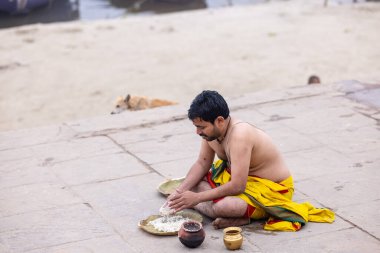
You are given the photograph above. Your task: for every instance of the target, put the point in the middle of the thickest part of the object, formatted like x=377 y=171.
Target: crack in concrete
x=337 y=215
x=145 y=164
x=369 y=116
x=358 y=227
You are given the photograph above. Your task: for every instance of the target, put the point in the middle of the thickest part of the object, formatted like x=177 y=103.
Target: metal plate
x=167 y=187
x=187 y=213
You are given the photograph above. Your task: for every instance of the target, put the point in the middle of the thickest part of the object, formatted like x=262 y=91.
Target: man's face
x=206 y=130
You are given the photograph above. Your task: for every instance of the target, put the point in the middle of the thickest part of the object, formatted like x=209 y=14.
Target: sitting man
x=251 y=179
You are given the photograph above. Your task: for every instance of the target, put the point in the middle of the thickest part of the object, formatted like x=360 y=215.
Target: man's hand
x=180 y=201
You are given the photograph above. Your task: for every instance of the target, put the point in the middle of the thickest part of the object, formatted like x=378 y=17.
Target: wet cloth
x=267 y=199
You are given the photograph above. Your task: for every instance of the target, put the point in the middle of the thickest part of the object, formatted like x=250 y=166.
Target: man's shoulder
x=243 y=132
x=244 y=128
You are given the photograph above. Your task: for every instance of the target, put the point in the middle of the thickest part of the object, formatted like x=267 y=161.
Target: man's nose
x=198 y=131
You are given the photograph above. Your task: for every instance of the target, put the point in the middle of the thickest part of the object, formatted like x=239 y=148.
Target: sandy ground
x=60 y=72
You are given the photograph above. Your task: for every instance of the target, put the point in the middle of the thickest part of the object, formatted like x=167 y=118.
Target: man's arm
x=240 y=148
x=198 y=170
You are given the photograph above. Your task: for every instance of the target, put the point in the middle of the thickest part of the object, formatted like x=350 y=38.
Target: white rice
x=165 y=210
x=168 y=223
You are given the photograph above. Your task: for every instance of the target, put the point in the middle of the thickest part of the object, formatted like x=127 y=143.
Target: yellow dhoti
x=267 y=199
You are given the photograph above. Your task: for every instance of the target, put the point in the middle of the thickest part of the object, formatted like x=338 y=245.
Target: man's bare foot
x=219 y=223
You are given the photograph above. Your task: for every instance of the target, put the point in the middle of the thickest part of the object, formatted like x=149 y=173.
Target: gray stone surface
x=168 y=148
x=129 y=190
x=11 y=155
x=50 y=227
x=31 y=137
x=355 y=187
x=350 y=142
x=288 y=140
x=74 y=149
x=361 y=217
x=83 y=186
x=98 y=168
x=271 y=241
x=34 y=197
x=157 y=132
x=128 y=120
x=25 y=172
x=112 y=244
x=305 y=164
x=345 y=240
x=176 y=168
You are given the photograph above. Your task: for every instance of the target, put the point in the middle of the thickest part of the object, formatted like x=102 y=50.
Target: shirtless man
x=248 y=152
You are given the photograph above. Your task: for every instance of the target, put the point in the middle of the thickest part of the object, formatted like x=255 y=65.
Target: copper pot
x=191 y=234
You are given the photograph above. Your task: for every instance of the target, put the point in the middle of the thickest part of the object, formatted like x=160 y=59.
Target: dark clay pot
x=191 y=234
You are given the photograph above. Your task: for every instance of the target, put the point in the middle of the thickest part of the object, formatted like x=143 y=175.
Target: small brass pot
x=232 y=238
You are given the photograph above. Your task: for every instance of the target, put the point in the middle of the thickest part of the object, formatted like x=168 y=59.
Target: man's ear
x=219 y=120
x=127 y=98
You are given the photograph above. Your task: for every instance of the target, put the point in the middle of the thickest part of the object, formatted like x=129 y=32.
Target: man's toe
x=215 y=223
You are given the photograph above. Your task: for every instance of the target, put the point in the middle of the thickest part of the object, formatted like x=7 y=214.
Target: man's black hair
x=208 y=105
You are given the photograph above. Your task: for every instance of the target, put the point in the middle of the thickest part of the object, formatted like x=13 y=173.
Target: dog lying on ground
x=134 y=103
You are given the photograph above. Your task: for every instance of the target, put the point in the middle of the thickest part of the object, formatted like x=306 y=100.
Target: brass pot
x=232 y=238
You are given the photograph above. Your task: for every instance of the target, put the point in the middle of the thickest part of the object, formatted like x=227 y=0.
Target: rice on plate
x=156 y=225
x=168 y=223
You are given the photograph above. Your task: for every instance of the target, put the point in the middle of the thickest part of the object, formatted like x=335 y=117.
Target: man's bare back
x=266 y=161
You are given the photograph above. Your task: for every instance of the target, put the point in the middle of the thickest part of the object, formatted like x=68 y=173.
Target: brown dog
x=134 y=103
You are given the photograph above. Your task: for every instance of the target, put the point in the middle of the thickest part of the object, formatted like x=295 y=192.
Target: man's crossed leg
x=229 y=211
